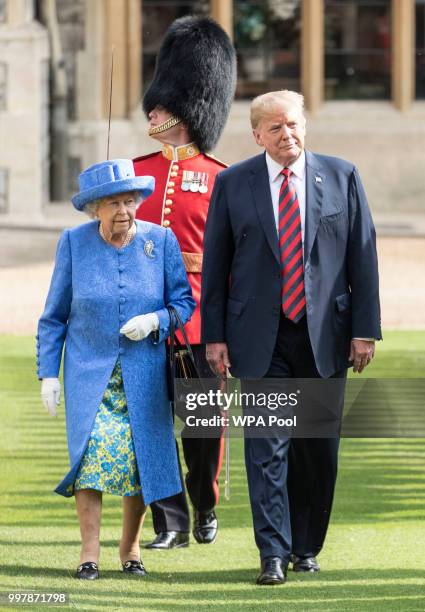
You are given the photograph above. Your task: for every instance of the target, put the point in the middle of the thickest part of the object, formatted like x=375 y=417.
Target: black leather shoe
x=273 y=571
x=305 y=564
x=135 y=568
x=87 y=571
x=169 y=539
x=205 y=527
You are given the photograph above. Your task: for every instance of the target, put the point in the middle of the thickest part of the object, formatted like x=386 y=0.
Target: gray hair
x=92 y=207
x=284 y=98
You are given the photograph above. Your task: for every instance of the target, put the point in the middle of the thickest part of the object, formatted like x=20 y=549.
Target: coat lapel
x=259 y=183
x=314 y=183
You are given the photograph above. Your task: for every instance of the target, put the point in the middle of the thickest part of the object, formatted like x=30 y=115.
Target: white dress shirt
x=297 y=180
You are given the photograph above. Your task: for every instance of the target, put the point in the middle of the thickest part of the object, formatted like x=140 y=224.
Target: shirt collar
x=275 y=169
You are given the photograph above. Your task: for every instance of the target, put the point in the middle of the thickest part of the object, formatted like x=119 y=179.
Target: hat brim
x=145 y=185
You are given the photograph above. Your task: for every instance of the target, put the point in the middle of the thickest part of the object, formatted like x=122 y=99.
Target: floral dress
x=109 y=463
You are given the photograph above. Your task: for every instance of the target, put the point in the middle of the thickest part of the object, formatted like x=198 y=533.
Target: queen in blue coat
x=113 y=280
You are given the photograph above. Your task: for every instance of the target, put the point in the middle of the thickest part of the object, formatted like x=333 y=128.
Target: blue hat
x=108 y=178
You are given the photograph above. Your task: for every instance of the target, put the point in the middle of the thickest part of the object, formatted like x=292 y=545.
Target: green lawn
x=374 y=555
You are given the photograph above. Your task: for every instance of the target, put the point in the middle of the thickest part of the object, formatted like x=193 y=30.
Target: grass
x=373 y=559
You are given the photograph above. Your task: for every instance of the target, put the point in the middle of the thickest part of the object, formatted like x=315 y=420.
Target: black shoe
x=305 y=564
x=169 y=539
x=135 y=568
x=87 y=571
x=273 y=571
x=205 y=527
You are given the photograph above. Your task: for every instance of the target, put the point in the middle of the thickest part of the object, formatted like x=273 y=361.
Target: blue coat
x=95 y=289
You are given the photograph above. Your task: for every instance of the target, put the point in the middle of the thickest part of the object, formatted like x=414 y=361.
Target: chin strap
x=163 y=127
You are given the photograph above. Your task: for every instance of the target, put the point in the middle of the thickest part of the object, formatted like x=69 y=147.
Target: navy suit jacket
x=241 y=280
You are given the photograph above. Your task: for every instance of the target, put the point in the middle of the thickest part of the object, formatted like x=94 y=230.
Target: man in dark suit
x=290 y=290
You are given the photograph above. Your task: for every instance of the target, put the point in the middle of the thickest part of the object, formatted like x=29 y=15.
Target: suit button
x=122 y=317
x=170 y=191
x=168 y=202
x=175 y=167
x=122 y=300
x=171 y=184
x=120 y=268
x=166 y=223
x=121 y=285
x=167 y=211
x=173 y=174
x=121 y=351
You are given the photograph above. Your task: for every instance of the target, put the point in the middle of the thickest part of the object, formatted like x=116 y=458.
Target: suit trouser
x=203 y=457
x=291 y=481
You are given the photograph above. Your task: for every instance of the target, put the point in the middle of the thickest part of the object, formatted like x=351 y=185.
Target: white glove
x=141 y=326
x=51 y=394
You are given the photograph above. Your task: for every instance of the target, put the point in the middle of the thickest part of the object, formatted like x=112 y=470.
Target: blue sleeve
x=53 y=323
x=218 y=256
x=362 y=264
x=177 y=290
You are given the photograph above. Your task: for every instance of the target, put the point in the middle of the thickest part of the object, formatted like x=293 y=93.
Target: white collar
x=275 y=169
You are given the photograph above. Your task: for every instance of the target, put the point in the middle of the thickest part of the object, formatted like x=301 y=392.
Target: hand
x=141 y=326
x=361 y=353
x=218 y=358
x=51 y=394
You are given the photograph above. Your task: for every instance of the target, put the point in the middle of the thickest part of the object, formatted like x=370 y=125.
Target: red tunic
x=185 y=212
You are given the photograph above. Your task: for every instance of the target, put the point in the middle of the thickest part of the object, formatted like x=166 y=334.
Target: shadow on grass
x=235 y=576
x=333 y=590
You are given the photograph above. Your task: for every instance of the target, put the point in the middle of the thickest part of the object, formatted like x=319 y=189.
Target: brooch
x=149 y=247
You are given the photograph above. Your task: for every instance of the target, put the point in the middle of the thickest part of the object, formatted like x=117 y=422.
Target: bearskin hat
x=195 y=78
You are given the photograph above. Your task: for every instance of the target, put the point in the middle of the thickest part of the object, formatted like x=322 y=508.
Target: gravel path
x=26 y=260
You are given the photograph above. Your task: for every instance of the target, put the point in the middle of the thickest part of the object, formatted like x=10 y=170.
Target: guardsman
x=187 y=105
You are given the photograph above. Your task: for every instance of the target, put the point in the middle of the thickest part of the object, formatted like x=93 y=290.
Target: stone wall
x=387 y=146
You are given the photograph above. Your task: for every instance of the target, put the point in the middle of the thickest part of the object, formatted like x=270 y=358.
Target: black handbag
x=180 y=365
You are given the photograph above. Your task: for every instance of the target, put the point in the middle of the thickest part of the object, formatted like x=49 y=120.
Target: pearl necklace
x=129 y=236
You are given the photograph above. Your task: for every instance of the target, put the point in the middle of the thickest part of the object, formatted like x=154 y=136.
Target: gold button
x=171 y=184
x=169 y=202
x=173 y=174
x=166 y=223
x=167 y=211
x=174 y=167
x=170 y=191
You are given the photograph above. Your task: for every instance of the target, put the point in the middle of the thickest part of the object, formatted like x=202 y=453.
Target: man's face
x=281 y=132
x=157 y=117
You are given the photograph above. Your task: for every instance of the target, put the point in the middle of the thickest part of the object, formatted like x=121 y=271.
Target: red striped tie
x=291 y=251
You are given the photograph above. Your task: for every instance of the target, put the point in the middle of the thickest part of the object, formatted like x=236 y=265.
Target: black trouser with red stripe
x=203 y=457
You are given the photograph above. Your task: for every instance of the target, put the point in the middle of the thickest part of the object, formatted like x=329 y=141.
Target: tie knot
x=286 y=173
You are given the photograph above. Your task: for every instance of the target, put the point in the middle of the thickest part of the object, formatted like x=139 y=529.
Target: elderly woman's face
x=116 y=213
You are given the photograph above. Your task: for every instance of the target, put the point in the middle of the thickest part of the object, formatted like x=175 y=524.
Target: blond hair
x=284 y=98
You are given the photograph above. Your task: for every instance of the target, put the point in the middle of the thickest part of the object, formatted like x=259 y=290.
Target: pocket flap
x=332 y=217
x=343 y=302
x=234 y=306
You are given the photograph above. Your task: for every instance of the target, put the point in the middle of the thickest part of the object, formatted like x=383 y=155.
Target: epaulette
x=136 y=159
x=214 y=158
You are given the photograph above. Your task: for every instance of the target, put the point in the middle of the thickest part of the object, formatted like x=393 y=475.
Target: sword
x=224 y=389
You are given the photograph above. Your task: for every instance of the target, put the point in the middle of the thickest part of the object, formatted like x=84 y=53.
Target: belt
x=193 y=261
